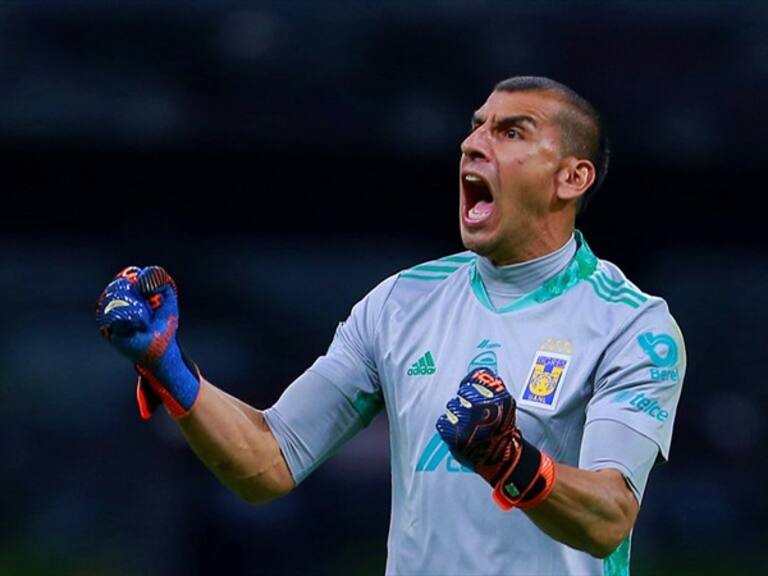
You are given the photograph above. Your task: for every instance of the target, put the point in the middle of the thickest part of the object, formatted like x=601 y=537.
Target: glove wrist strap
x=174 y=382
x=527 y=483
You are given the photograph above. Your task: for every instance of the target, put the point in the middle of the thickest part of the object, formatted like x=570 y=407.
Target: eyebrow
x=505 y=121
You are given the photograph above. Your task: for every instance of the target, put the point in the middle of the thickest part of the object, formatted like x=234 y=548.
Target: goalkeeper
x=530 y=386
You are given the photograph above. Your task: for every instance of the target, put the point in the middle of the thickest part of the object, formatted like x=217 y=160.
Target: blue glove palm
x=138 y=314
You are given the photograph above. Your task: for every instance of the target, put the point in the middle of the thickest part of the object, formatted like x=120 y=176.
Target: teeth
x=472 y=178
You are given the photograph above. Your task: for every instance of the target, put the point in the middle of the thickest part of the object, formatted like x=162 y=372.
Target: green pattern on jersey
x=617 y=564
x=614 y=291
x=439 y=269
x=368 y=405
x=423 y=276
x=581 y=267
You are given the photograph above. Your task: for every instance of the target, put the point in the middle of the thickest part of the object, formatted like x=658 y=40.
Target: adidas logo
x=423 y=366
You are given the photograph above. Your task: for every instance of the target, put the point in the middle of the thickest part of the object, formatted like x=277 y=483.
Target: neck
x=545 y=240
x=509 y=282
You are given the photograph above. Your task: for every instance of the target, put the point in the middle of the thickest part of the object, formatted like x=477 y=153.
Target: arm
x=588 y=510
x=262 y=455
x=234 y=441
x=628 y=426
x=138 y=313
x=259 y=455
x=593 y=507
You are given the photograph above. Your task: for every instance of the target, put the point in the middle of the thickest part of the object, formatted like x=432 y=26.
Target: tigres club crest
x=545 y=378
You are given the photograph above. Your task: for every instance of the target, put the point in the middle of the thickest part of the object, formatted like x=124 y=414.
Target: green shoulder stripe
x=461 y=258
x=612 y=297
x=433 y=268
x=609 y=280
x=619 y=283
x=439 y=269
x=616 y=289
x=423 y=276
x=627 y=301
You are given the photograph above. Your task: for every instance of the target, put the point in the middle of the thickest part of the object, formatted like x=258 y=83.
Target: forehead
x=541 y=105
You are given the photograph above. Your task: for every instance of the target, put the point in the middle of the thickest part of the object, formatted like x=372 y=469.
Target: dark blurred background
x=281 y=158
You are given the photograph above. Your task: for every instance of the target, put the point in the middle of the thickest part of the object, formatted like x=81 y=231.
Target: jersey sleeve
x=351 y=362
x=610 y=444
x=640 y=376
x=337 y=396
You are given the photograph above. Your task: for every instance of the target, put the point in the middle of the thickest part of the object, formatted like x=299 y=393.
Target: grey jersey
x=582 y=350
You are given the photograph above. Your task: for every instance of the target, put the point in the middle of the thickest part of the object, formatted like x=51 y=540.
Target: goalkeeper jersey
x=581 y=349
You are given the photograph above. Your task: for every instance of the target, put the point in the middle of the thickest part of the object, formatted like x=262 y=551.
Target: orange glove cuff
x=534 y=491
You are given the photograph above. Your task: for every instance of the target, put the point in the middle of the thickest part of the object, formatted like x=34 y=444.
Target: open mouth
x=478 y=199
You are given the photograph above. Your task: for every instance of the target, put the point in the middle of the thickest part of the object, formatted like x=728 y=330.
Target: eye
x=512 y=134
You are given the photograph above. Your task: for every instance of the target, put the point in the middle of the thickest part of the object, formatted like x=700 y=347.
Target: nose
x=475 y=146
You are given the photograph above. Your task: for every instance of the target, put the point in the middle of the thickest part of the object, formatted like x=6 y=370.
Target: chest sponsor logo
x=545 y=378
x=436 y=456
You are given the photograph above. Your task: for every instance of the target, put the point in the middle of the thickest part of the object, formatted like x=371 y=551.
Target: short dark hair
x=583 y=133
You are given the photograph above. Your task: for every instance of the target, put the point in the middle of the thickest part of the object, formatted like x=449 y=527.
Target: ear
x=574 y=178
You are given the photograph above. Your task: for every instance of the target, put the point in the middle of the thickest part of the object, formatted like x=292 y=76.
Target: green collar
x=583 y=264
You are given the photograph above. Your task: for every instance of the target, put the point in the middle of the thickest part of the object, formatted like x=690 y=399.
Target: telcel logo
x=643 y=404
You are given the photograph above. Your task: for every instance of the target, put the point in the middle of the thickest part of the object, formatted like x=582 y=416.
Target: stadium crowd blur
x=280 y=159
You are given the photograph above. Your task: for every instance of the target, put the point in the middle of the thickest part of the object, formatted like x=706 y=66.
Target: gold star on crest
x=558 y=345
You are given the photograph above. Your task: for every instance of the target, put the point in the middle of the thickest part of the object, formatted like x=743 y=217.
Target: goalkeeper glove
x=138 y=314
x=479 y=428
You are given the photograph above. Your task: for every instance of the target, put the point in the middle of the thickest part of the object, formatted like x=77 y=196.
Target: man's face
x=508 y=174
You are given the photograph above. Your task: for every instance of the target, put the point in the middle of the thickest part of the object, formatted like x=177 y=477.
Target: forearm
x=591 y=511
x=234 y=441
